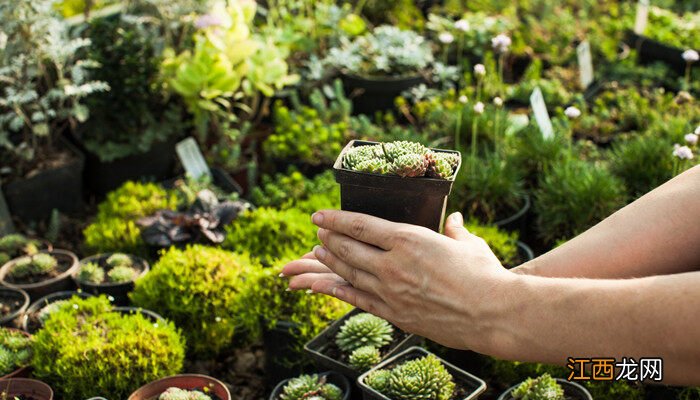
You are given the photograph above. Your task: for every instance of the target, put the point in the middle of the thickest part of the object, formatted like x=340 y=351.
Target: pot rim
x=19 y=311
x=524 y=209
x=65 y=274
x=41 y=384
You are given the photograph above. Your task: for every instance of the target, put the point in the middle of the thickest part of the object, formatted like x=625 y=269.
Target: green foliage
x=402 y=158
x=174 y=393
x=365 y=357
x=533 y=154
x=15 y=245
x=37 y=264
x=541 y=388
x=310 y=387
x=690 y=393
x=122 y=274
x=672 y=29
x=199 y=289
x=86 y=350
x=553 y=90
x=504 y=244
x=269 y=234
x=420 y=378
x=119 y=259
x=573 y=196
x=91 y=273
x=15 y=350
x=362 y=330
x=292 y=189
x=643 y=162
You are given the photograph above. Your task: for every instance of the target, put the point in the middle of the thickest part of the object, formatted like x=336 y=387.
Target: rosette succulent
x=421 y=378
x=542 y=388
x=14 y=245
x=402 y=158
x=362 y=330
x=15 y=351
x=307 y=387
x=91 y=273
x=174 y=393
x=363 y=358
x=121 y=274
x=119 y=259
x=38 y=264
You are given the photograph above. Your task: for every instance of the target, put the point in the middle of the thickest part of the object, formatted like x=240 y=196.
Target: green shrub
x=269 y=234
x=15 y=351
x=199 y=289
x=642 y=162
x=504 y=244
x=86 y=350
x=288 y=190
x=573 y=196
x=533 y=154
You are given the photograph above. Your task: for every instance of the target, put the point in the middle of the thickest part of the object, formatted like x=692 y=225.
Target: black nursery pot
x=42 y=288
x=118 y=291
x=28 y=325
x=18 y=301
x=331 y=377
x=468 y=385
x=650 y=50
x=281 y=342
x=572 y=391
x=370 y=95
x=519 y=220
x=317 y=347
x=417 y=201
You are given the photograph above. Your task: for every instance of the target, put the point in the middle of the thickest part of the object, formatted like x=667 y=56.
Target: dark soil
x=63 y=266
x=333 y=351
x=8 y=304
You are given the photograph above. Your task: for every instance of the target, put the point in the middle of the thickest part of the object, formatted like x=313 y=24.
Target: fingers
x=351 y=252
x=358 y=298
x=356 y=277
x=365 y=228
x=454 y=227
x=309 y=255
x=305 y=281
x=303 y=266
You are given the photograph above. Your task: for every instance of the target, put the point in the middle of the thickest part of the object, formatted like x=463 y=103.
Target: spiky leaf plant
x=365 y=357
x=91 y=273
x=364 y=329
x=542 y=388
x=379 y=380
x=403 y=158
x=421 y=378
x=305 y=387
x=174 y=393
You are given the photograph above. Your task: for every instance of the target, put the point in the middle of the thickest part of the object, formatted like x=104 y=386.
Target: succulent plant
x=364 y=329
x=402 y=158
x=15 y=351
x=119 y=259
x=421 y=378
x=307 y=387
x=174 y=393
x=37 y=264
x=91 y=273
x=121 y=274
x=13 y=242
x=542 y=388
x=363 y=358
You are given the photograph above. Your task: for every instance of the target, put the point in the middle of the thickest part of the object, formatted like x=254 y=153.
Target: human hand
x=442 y=287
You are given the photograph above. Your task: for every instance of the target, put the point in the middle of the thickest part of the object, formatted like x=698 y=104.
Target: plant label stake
x=541 y=114
x=585 y=63
x=192 y=159
x=640 y=22
x=6 y=225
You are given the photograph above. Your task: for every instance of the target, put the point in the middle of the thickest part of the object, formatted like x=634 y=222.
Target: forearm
x=657 y=234
x=548 y=320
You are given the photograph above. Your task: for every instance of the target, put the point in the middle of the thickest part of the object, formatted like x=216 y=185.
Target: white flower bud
x=479 y=108
x=446 y=38
x=479 y=70
x=690 y=56
x=572 y=112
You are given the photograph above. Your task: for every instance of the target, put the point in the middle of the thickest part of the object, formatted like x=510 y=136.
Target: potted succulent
x=24 y=389
x=15 y=245
x=399 y=181
x=416 y=373
x=111 y=274
x=42 y=273
x=33 y=319
x=546 y=388
x=357 y=342
x=324 y=386
x=380 y=65
x=13 y=303
x=188 y=386
x=15 y=353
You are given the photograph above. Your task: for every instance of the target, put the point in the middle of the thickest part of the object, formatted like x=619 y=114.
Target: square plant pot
x=418 y=201
x=318 y=347
x=468 y=386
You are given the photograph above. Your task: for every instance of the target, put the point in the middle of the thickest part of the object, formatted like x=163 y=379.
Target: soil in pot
x=42 y=273
x=32 y=320
x=110 y=274
x=13 y=302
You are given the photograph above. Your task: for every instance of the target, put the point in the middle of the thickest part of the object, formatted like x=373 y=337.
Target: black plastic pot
x=650 y=50
x=118 y=291
x=370 y=95
x=525 y=252
x=43 y=302
x=572 y=391
x=19 y=303
x=34 y=198
x=42 y=288
x=331 y=377
x=518 y=220
x=470 y=384
x=155 y=165
x=417 y=201
x=281 y=345
x=318 y=345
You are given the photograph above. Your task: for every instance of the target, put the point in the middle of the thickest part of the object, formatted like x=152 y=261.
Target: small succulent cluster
x=15 y=351
x=174 y=393
x=362 y=335
x=37 y=264
x=121 y=269
x=542 y=388
x=402 y=158
x=421 y=378
x=310 y=387
x=15 y=245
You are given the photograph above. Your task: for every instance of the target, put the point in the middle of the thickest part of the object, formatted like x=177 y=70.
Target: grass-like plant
x=643 y=162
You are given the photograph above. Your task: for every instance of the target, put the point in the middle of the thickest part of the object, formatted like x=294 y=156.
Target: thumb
x=454 y=227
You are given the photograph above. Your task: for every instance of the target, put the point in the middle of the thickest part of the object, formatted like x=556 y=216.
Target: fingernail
x=320 y=252
x=281 y=275
x=309 y=291
x=456 y=218
x=317 y=218
x=338 y=292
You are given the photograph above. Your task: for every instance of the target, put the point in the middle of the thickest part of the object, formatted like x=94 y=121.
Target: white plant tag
x=640 y=22
x=192 y=159
x=6 y=225
x=541 y=114
x=585 y=63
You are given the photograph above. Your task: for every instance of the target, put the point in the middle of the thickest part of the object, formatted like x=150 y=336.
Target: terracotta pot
x=187 y=381
x=36 y=390
x=22 y=372
x=42 y=288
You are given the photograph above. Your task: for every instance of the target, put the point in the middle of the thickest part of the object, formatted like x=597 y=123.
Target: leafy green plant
x=310 y=387
x=573 y=196
x=364 y=329
x=291 y=189
x=15 y=350
x=541 y=388
x=15 y=245
x=643 y=162
x=199 y=289
x=420 y=378
x=502 y=243
x=85 y=349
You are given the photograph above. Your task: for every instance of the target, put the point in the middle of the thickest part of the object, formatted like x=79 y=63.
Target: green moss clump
x=293 y=189
x=15 y=350
x=91 y=273
x=504 y=244
x=86 y=349
x=199 y=289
